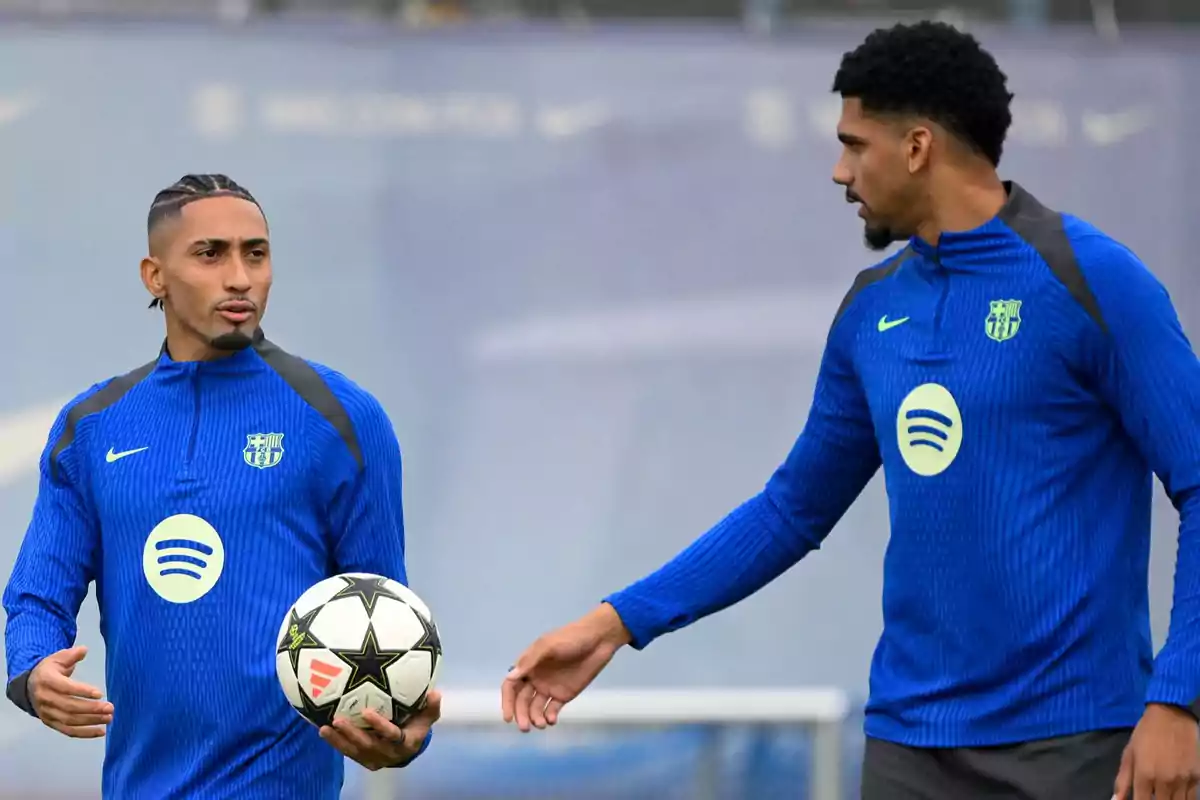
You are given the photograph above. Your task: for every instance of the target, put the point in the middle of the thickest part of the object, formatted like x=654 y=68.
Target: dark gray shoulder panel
x=307 y=383
x=113 y=391
x=869 y=276
x=1043 y=229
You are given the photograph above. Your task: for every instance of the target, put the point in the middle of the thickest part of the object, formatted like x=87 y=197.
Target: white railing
x=823 y=711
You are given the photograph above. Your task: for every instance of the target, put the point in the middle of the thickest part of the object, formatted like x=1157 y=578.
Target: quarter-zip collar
x=243 y=361
x=990 y=244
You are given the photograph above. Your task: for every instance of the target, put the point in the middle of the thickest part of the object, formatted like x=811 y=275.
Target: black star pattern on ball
x=299 y=636
x=367 y=664
x=369 y=589
x=319 y=715
x=430 y=641
x=402 y=713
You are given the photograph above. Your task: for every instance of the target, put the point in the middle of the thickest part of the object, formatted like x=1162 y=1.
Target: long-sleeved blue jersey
x=276 y=473
x=1018 y=383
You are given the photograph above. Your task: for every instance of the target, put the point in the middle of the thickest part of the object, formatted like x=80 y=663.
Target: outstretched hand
x=384 y=744
x=558 y=666
x=72 y=708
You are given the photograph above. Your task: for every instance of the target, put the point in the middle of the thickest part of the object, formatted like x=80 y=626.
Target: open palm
x=557 y=667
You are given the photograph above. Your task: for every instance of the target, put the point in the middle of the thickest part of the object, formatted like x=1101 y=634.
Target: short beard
x=231 y=342
x=879 y=238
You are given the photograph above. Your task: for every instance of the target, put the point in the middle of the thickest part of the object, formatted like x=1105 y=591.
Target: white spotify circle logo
x=929 y=429
x=183 y=558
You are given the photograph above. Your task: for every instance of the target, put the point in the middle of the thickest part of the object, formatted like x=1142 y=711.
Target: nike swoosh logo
x=888 y=324
x=110 y=456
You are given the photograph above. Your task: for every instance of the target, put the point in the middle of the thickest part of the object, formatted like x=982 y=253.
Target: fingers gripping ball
x=357 y=641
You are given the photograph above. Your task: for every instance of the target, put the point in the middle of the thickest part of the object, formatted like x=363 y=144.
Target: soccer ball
x=357 y=641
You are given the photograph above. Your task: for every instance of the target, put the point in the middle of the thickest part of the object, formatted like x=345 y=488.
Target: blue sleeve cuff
x=637 y=619
x=1167 y=691
x=416 y=755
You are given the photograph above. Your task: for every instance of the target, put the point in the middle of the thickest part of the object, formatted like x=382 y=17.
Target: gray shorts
x=1081 y=767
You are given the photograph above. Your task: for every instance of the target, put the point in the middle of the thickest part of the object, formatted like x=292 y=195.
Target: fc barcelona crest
x=1003 y=319
x=263 y=449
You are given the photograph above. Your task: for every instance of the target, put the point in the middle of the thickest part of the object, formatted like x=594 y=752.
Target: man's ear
x=152 y=279
x=918 y=145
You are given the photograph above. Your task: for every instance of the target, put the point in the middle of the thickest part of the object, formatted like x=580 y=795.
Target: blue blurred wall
x=588 y=274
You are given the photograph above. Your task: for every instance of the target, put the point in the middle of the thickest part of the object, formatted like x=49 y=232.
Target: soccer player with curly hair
x=1020 y=377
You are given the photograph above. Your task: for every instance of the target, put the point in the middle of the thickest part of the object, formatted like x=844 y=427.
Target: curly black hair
x=170 y=201
x=936 y=71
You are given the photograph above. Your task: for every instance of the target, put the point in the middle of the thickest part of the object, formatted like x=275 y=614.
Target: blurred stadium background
x=585 y=252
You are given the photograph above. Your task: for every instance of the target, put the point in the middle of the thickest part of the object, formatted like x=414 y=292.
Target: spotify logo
x=183 y=558
x=929 y=429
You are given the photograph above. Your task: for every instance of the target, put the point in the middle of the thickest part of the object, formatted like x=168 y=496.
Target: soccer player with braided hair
x=271 y=472
x=1020 y=377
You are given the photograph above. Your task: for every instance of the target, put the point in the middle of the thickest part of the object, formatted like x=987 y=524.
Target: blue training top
x=1019 y=384
x=204 y=498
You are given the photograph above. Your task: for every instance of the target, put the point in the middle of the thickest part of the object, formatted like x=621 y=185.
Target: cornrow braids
x=169 y=202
